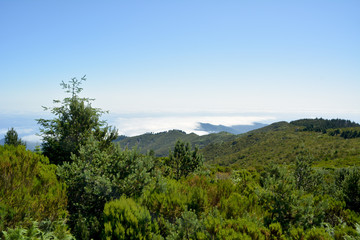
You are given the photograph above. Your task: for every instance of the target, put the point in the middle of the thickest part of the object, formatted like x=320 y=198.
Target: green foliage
x=213 y=222
x=355 y=235
x=218 y=227
x=276 y=231
x=278 y=198
x=281 y=143
x=116 y=194
x=302 y=173
x=317 y=234
x=167 y=200
x=29 y=188
x=125 y=219
x=198 y=201
x=44 y=230
x=350 y=133
x=161 y=142
x=321 y=125
x=183 y=160
x=285 y=204
x=349 y=181
x=11 y=138
x=246 y=181
x=306 y=178
x=75 y=121
x=187 y=227
x=296 y=233
x=346 y=133
x=97 y=176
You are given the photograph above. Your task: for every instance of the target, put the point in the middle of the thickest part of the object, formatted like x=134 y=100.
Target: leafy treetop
x=75 y=121
x=11 y=138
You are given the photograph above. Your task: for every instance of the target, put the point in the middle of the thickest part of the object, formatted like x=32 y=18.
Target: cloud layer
x=132 y=126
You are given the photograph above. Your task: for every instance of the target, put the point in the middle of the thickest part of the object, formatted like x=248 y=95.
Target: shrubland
x=31 y=196
x=284 y=181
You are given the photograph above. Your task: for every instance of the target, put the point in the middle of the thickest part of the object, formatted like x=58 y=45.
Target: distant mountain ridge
x=235 y=129
x=161 y=142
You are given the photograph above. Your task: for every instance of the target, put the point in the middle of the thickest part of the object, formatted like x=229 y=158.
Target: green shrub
x=198 y=201
x=187 y=227
x=221 y=189
x=235 y=206
x=168 y=200
x=217 y=227
x=44 y=230
x=246 y=227
x=296 y=233
x=29 y=188
x=317 y=234
x=246 y=182
x=125 y=219
x=276 y=231
x=351 y=189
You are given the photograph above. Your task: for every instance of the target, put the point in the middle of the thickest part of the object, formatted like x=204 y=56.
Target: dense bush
x=45 y=230
x=187 y=226
x=97 y=176
x=351 y=189
x=125 y=219
x=167 y=200
x=29 y=188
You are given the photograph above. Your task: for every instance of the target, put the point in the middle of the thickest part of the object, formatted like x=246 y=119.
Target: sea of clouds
x=133 y=126
x=137 y=124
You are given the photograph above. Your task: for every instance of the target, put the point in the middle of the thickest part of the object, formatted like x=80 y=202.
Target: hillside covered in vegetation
x=162 y=142
x=283 y=181
x=282 y=142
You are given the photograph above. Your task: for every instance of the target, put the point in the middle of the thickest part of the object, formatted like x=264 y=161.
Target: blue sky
x=158 y=59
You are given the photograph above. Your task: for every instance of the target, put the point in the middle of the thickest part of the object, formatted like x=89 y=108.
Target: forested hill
x=322 y=125
x=282 y=142
x=161 y=142
x=279 y=142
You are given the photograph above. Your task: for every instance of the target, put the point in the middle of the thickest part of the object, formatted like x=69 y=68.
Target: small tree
x=11 y=138
x=97 y=176
x=183 y=160
x=304 y=179
x=76 y=120
x=351 y=189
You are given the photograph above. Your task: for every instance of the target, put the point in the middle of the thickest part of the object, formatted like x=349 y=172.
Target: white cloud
x=32 y=138
x=132 y=126
x=20 y=131
x=3 y=131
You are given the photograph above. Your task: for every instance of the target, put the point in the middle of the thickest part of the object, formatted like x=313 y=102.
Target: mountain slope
x=163 y=141
x=282 y=142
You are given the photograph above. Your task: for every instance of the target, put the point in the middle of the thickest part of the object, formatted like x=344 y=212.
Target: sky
x=158 y=65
